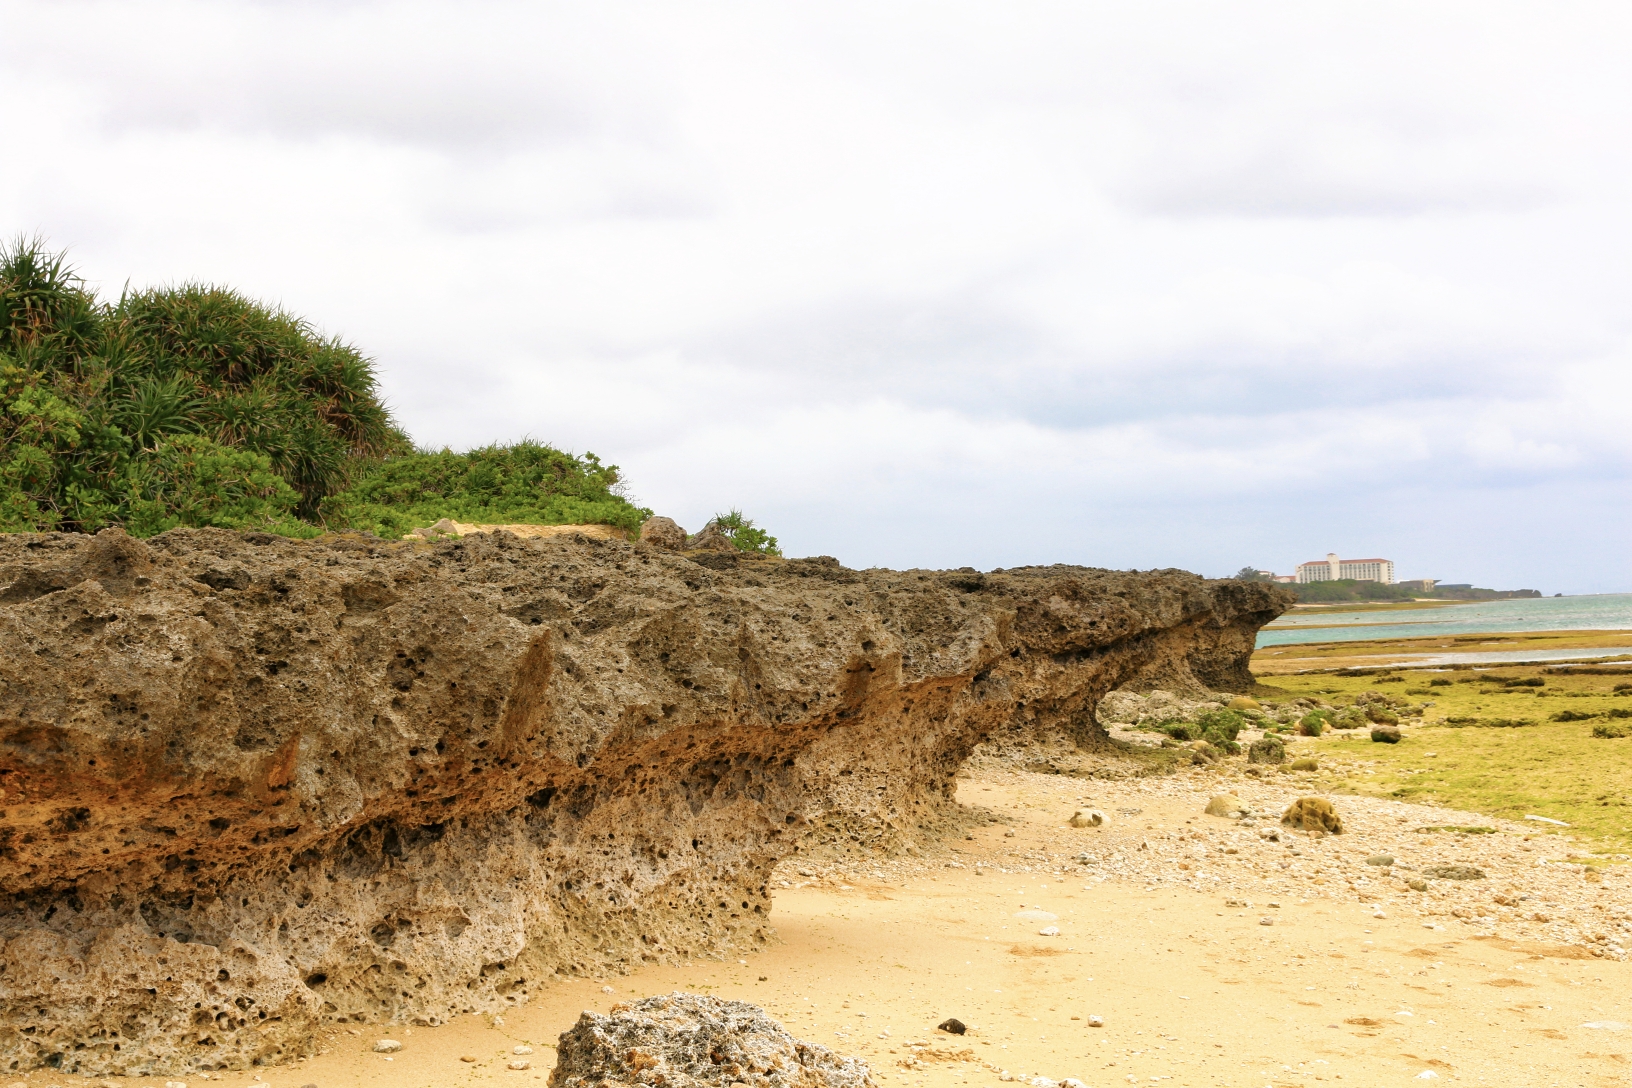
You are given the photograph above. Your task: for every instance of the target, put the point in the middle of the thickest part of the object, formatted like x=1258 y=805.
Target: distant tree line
x=1343 y=590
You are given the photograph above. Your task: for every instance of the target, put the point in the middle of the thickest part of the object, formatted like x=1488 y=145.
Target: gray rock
x=711 y=539
x=1379 y=859
x=387 y=1046
x=663 y=533
x=1453 y=872
x=685 y=1040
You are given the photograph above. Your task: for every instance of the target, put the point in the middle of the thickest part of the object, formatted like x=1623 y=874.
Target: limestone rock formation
x=687 y=1041
x=1313 y=814
x=250 y=784
x=663 y=533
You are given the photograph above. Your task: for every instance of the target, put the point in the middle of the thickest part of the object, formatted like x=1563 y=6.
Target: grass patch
x=1558 y=769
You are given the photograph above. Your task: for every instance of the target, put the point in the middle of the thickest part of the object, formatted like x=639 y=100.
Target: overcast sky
x=1124 y=284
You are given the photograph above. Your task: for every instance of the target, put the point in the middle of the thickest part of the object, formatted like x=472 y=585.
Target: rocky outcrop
x=690 y=1041
x=250 y=784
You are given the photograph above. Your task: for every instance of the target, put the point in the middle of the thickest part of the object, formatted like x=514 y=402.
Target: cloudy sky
x=920 y=284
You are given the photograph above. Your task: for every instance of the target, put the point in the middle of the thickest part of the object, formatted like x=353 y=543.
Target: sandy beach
x=1213 y=955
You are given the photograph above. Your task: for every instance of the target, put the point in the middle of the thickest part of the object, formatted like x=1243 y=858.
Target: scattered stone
x=1245 y=702
x=1605 y=1025
x=1417 y=885
x=1088 y=817
x=1238 y=902
x=175 y=1084
x=1305 y=764
x=662 y=533
x=1072 y=1082
x=1036 y=916
x=1049 y=931
x=1454 y=872
x=694 y=1040
x=1266 y=921
x=1226 y=804
x=1380 y=859
x=1266 y=750
x=522 y=1050
x=467 y=1057
x=1043 y=1082
x=1312 y=814
x=1386 y=734
x=953 y=1026
x=1096 y=1022
x=387 y=1046
x=519 y=1064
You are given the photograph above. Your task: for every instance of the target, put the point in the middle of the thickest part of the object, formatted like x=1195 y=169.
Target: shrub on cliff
x=525 y=483
x=94 y=394
x=745 y=535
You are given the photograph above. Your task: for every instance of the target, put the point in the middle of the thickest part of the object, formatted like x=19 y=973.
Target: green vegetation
x=744 y=534
x=195 y=406
x=1565 y=770
x=527 y=483
x=184 y=405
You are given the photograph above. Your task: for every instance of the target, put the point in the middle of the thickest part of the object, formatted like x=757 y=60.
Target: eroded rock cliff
x=249 y=784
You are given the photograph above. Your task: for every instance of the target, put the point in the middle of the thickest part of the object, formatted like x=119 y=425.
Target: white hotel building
x=1332 y=568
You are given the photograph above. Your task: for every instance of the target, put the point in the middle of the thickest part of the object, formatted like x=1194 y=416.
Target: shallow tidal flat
x=1509 y=741
x=1495 y=648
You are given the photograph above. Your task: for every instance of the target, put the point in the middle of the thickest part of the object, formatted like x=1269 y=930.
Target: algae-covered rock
x=1266 y=750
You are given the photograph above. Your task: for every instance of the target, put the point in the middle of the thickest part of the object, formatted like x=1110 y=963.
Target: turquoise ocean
x=1590 y=612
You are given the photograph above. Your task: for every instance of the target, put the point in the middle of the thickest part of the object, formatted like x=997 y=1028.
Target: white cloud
x=1190 y=284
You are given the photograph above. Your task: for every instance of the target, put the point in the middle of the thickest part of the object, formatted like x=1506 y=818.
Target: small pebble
x=1266 y=921
x=1379 y=859
x=606 y=989
x=953 y=1026
x=175 y=1084
x=1049 y=931
x=467 y=1057
x=1096 y=1022
x=521 y=1063
x=387 y=1046
x=522 y=1050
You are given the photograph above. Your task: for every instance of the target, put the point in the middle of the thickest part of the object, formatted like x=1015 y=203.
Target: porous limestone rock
x=252 y=784
x=684 y=1040
x=1313 y=814
x=663 y=533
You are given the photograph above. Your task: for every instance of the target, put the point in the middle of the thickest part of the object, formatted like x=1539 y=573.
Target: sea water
x=1589 y=612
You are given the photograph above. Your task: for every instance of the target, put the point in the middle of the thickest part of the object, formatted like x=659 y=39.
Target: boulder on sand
x=1226 y=804
x=1266 y=750
x=1088 y=817
x=684 y=1040
x=1313 y=814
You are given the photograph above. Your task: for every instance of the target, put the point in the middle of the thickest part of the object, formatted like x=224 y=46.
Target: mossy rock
x=1245 y=702
x=1305 y=764
x=1313 y=814
x=1386 y=734
x=1267 y=750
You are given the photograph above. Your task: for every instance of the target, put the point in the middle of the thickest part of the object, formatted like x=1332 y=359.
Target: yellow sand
x=1191 y=990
